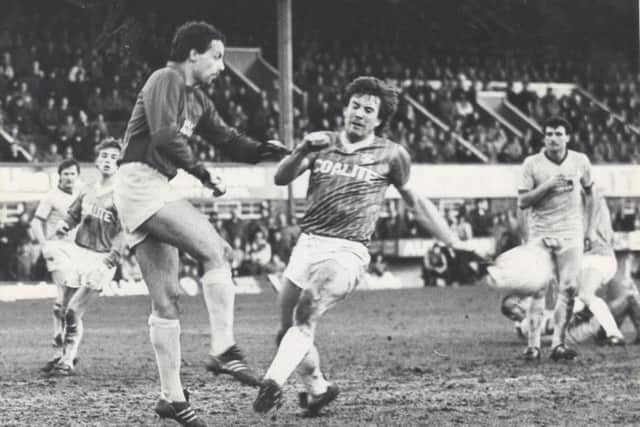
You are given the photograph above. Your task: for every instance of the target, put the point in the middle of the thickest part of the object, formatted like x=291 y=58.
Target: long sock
x=294 y=346
x=634 y=312
x=58 y=315
x=165 y=338
x=73 y=335
x=564 y=307
x=310 y=373
x=602 y=313
x=58 y=321
x=535 y=316
x=219 y=297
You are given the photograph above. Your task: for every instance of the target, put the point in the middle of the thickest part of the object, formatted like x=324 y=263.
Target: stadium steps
x=439 y=123
x=248 y=64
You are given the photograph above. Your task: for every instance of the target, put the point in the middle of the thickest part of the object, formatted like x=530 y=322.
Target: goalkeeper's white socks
x=219 y=296
x=294 y=346
x=165 y=338
x=310 y=373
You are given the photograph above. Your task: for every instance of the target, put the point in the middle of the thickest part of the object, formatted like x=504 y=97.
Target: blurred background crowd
x=70 y=75
x=70 y=72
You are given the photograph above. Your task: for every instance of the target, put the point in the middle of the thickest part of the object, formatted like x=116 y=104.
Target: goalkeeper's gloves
x=214 y=183
x=272 y=150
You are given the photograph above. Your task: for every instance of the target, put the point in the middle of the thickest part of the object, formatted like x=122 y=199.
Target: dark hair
x=193 y=35
x=68 y=163
x=555 y=122
x=373 y=86
x=108 y=143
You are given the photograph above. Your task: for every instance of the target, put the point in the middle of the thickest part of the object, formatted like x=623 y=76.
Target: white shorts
x=58 y=255
x=139 y=192
x=525 y=270
x=329 y=266
x=90 y=269
x=602 y=265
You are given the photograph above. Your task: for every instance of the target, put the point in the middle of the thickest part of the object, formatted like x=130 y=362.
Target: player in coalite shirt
x=350 y=172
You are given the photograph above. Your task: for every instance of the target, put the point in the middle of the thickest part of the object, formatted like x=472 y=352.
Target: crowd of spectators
x=263 y=245
x=59 y=94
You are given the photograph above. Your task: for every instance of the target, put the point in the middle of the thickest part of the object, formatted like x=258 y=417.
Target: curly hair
x=557 y=121
x=388 y=95
x=193 y=35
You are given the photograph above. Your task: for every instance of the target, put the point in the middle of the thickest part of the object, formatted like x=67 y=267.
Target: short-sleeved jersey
x=53 y=208
x=96 y=217
x=560 y=212
x=347 y=187
x=602 y=239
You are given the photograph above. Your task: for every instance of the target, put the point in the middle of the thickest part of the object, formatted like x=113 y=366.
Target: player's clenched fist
x=315 y=141
x=214 y=183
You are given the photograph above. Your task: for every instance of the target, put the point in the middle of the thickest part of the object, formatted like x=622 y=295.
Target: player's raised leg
x=181 y=225
x=569 y=260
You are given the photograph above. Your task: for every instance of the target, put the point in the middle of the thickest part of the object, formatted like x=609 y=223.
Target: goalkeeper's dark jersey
x=166 y=115
x=347 y=188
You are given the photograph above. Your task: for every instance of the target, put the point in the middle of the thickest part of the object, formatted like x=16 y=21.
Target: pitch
x=404 y=357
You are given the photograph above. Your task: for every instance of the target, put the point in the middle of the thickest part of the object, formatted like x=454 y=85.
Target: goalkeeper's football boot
x=561 y=352
x=312 y=404
x=269 y=397
x=181 y=412
x=232 y=362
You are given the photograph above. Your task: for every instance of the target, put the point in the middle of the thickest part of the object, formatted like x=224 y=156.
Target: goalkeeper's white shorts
x=329 y=267
x=524 y=270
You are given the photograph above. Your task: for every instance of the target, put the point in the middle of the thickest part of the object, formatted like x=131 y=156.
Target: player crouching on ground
x=94 y=255
x=597 y=269
x=583 y=325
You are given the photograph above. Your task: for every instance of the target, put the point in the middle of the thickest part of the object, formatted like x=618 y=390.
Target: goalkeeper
x=170 y=109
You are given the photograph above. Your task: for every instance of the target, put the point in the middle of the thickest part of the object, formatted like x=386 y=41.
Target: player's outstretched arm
x=230 y=141
x=429 y=217
x=298 y=161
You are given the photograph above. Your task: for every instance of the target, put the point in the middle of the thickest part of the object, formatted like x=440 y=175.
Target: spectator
x=52 y=156
x=435 y=267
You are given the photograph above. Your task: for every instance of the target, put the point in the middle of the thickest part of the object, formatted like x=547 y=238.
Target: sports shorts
x=90 y=269
x=331 y=267
x=525 y=270
x=139 y=192
x=58 y=255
